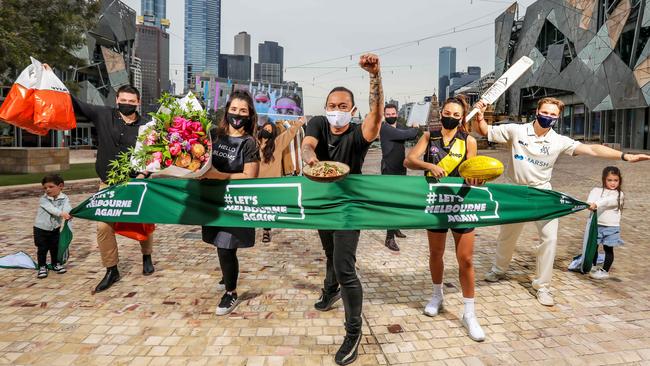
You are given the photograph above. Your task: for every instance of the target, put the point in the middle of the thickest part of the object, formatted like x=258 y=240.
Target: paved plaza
x=168 y=318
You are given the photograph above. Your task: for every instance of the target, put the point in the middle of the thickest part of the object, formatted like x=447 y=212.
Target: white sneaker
x=474 y=329
x=599 y=274
x=434 y=306
x=494 y=276
x=544 y=297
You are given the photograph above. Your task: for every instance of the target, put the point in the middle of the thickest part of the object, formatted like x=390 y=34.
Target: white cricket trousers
x=545 y=250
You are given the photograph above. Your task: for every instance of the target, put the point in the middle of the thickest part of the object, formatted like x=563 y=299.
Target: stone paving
x=167 y=318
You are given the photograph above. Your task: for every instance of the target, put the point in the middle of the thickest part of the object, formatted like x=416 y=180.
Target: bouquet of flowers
x=175 y=143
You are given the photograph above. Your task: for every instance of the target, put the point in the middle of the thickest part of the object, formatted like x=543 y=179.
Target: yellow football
x=481 y=167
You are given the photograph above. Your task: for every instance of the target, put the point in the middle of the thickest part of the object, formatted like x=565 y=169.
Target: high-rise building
x=460 y=79
x=235 y=67
x=270 y=53
x=152 y=48
x=154 y=13
x=136 y=72
x=268 y=73
x=446 y=66
x=202 y=39
x=243 y=44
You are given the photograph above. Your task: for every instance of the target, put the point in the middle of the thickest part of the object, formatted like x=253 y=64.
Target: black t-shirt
x=349 y=148
x=229 y=154
x=392 y=148
x=114 y=136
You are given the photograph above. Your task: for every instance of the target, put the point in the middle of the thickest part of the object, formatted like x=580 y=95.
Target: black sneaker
x=228 y=303
x=42 y=272
x=59 y=269
x=327 y=300
x=349 y=350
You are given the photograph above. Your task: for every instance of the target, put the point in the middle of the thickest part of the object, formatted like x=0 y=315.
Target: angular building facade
x=236 y=67
x=270 y=54
x=202 y=39
x=243 y=44
x=108 y=54
x=592 y=54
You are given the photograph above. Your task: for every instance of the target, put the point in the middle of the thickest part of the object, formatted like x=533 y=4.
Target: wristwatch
x=623 y=156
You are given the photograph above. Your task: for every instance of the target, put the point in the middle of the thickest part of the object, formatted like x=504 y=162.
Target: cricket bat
x=503 y=83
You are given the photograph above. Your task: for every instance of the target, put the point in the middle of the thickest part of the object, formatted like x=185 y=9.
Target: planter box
x=34 y=159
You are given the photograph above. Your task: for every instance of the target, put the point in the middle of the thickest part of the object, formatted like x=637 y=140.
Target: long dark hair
x=617 y=172
x=269 y=146
x=222 y=129
x=461 y=101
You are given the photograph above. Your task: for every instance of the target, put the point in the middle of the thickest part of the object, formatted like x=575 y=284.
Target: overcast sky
x=312 y=31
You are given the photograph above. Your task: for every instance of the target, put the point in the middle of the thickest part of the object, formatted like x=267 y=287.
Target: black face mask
x=449 y=123
x=126 y=109
x=264 y=134
x=237 y=121
x=391 y=120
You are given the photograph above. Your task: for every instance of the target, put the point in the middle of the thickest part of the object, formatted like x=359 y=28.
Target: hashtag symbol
x=431 y=198
x=228 y=199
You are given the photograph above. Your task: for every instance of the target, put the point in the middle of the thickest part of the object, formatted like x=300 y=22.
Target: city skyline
x=410 y=71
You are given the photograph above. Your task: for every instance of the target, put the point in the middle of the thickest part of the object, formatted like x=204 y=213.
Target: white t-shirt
x=607 y=202
x=532 y=157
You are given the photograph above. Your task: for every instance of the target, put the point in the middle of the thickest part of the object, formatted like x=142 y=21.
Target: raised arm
x=479 y=124
x=284 y=139
x=605 y=152
x=372 y=122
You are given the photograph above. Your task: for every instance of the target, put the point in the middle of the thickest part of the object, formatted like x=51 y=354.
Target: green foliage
x=45 y=30
x=121 y=169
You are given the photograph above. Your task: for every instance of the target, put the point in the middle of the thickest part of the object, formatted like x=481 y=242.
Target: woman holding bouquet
x=272 y=144
x=234 y=156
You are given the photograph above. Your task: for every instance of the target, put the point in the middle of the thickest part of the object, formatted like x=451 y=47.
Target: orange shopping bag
x=52 y=103
x=135 y=231
x=18 y=108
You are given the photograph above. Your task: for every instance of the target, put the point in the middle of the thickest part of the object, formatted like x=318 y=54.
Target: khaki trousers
x=108 y=243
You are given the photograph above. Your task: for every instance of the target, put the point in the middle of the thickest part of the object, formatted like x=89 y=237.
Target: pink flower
x=157 y=156
x=175 y=149
x=168 y=162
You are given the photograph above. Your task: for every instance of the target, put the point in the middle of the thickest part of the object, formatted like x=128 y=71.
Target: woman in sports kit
x=443 y=152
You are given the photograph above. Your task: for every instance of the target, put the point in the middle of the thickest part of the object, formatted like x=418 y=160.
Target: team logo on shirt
x=530 y=160
x=545 y=150
x=434 y=150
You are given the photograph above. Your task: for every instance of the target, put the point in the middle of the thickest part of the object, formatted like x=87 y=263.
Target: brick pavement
x=167 y=319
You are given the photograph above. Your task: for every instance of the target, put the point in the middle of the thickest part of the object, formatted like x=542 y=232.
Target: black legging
x=609 y=257
x=229 y=267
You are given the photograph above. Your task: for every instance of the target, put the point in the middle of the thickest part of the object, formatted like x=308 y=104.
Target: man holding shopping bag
x=117 y=131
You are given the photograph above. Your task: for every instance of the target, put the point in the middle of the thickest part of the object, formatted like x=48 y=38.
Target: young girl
x=53 y=208
x=234 y=156
x=608 y=200
x=443 y=152
x=272 y=143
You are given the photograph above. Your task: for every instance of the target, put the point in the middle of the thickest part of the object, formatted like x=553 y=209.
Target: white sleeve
x=502 y=133
x=569 y=145
x=594 y=195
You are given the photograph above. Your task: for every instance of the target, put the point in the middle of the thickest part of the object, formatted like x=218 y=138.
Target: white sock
x=469 y=305
x=437 y=290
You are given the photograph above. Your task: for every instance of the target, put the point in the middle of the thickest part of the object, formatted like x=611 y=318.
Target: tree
x=45 y=30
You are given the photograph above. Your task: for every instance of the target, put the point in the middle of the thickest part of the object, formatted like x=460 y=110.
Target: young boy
x=54 y=207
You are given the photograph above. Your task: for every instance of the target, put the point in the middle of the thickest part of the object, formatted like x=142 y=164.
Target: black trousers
x=229 y=267
x=46 y=241
x=340 y=248
x=609 y=257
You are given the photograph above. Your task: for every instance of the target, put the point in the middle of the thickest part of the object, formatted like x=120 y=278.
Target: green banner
x=357 y=202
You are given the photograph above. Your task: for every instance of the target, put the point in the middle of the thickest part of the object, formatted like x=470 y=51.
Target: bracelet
x=623 y=156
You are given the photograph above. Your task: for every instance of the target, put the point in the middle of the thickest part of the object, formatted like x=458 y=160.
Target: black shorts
x=457 y=231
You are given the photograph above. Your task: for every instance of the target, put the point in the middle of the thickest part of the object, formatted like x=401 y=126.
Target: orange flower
x=183 y=160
